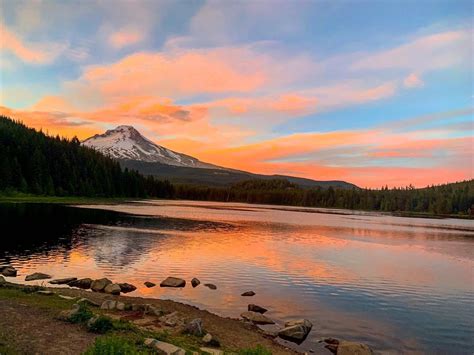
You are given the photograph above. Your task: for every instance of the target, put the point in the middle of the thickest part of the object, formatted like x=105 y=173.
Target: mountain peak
x=126 y=143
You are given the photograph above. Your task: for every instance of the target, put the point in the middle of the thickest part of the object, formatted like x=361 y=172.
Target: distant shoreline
x=81 y=200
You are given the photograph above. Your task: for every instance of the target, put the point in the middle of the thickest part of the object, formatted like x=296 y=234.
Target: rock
x=173 y=282
x=69 y=298
x=37 y=276
x=45 y=293
x=100 y=284
x=81 y=283
x=194 y=328
x=9 y=271
x=153 y=311
x=171 y=320
x=149 y=284
x=109 y=305
x=212 y=351
x=139 y=307
x=211 y=286
x=126 y=287
x=2 y=280
x=62 y=281
x=331 y=347
x=113 y=289
x=120 y=306
x=331 y=341
x=255 y=308
x=248 y=293
x=67 y=314
x=208 y=339
x=270 y=333
x=256 y=318
x=164 y=348
x=296 y=330
x=353 y=348
x=195 y=282
x=88 y=302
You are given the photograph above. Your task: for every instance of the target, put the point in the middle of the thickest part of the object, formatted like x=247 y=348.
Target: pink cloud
x=35 y=53
x=413 y=81
x=125 y=38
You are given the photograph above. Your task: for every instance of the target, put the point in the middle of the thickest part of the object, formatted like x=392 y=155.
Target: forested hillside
x=455 y=198
x=32 y=162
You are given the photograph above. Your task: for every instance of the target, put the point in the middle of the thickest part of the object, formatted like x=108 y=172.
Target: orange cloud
x=125 y=38
x=28 y=52
x=413 y=81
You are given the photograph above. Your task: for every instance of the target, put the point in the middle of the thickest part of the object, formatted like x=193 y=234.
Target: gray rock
x=126 y=287
x=171 y=320
x=211 y=286
x=296 y=330
x=69 y=298
x=66 y=280
x=113 y=289
x=212 y=351
x=164 y=348
x=109 y=305
x=37 y=276
x=100 y=284
x=120 y=306
x=256 y=318
x=9 y=271
x=248 y=293
x=150 y=309
x=81 y=283
x=194 y=327
x=195 y=282
x=353 y=348
x=45 y=293
x=67 y=314
x=149 y=284
x=173 y=282
x=208 y=339
x=139 y=307
x=255 y=308
x=88 y=302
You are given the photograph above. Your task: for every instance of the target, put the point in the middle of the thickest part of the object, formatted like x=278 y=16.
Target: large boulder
x=194 y=327
x=81 y=283
x=113 y=289
x=173 y=282
x=256 y=318
x=9 y=271
x=353 y=348
x=126 y=287
x=296 y=330
x=255 y=308
x=100 y=284
x=37 y=276
x=164 y=348
x=63 y=281
x=195 y=282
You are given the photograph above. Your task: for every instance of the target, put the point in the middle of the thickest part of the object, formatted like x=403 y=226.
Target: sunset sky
x=371 y=92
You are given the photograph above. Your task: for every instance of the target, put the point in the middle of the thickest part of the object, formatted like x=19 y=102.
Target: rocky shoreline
x=178 y=318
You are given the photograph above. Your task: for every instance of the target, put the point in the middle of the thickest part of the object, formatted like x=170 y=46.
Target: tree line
x=33 y=162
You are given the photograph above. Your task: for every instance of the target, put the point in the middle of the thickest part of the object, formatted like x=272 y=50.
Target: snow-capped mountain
x=125 y=142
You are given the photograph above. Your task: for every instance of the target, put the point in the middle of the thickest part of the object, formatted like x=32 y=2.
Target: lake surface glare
x=401 y=285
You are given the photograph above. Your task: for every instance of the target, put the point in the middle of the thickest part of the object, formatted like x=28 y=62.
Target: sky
x=371 y=92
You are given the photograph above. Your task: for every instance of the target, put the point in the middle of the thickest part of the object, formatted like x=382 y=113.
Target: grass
x=258 y=350
x=28 y=296
x=70 y=200
x=115 y=345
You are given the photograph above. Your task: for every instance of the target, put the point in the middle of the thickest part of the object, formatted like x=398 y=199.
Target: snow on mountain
x=125 y=142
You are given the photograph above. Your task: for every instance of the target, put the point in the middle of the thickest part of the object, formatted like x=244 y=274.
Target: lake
x=401 y=285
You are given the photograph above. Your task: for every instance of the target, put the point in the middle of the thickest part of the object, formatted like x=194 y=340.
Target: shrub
x=101 y=325
x=82 y=315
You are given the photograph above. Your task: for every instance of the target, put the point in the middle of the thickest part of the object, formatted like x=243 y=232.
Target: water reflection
x=386 y=281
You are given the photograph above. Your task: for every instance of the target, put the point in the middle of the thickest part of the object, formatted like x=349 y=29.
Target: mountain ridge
x=134 y=151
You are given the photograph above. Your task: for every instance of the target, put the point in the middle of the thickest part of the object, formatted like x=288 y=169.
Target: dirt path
x=25 y=329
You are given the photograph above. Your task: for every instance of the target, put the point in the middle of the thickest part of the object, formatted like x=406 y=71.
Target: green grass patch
x=28 y=296
x=82 y=315
x=70 y=200
x=258 y=350
x=116 y=345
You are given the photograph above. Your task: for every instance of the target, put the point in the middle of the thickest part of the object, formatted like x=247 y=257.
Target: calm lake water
x=402 y=285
